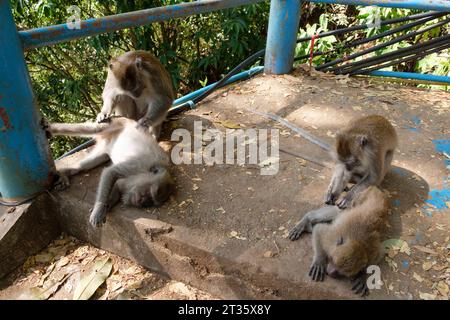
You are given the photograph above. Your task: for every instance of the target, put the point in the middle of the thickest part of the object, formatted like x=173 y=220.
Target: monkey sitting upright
x=139 y=172
x=140 y=76
x=346 y=242
x=363 y=152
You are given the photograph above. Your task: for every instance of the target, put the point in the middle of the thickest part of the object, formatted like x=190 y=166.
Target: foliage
x=198 y=50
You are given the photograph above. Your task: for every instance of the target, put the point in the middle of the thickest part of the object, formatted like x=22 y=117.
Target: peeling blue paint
x=396 y=203
x=416 y=120
x=405 y=264
x=438 y=198
x=442 y=145
x=413 y=129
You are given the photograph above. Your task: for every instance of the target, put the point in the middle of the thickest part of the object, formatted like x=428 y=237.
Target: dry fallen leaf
x=427 y=265
x=90 y=283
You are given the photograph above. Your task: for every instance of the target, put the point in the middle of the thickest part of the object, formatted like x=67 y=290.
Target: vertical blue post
x=26 y=167
x=282 y=35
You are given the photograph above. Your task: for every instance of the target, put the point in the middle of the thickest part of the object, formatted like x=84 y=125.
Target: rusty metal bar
x=45 y=36
x=26 y=167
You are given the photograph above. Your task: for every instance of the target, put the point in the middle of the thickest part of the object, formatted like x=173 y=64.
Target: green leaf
x=90 y=283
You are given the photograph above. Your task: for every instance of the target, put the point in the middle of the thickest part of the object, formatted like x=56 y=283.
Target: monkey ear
x=363 y=140
x=138 y=63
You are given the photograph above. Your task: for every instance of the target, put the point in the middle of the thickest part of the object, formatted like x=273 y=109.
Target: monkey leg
x=322 y=215
x=77 y=129
x=339 y=181
x=318 y=267
x=94 y=158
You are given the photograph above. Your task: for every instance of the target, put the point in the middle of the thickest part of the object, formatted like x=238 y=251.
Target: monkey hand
x=102 y=117
x=345 y=201
x=330 y=197
x=318 y=270
x=298 y=230
x=98 y=215
x=144 y=123
x=359 y=285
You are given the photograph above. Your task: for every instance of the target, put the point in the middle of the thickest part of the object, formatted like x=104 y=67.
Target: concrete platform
x=25 y=230
x=225 y=229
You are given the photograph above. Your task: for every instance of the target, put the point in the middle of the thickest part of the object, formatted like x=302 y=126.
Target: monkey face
x=351 y=150
x=127 y=73
x=347 y=259
x=150 y=189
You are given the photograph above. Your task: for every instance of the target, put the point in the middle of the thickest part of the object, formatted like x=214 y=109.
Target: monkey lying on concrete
x=139 y=172
x=363 y=153
x=346 y=242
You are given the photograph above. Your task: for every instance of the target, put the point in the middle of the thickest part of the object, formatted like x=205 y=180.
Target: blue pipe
x=282 y=36
x=26 y=167
x=435 y=5
x=411 y=75
x=45 y=36
x=179 y=102
x=240 y=76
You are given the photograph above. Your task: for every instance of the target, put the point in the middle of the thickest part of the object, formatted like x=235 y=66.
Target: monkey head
x=351 y=149
x=347 y=258
x=127 y=70
x=150 y=189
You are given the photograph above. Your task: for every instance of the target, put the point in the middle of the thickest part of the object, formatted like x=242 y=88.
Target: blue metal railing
x=26 y=167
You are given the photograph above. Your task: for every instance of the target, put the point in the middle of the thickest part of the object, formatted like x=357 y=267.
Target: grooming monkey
x=346 y=242
x=137 y=76
x=363 y=154
x=139 y=172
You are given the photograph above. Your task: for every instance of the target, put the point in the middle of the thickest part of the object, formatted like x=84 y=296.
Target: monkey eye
x=340 y=241
x=154 y=170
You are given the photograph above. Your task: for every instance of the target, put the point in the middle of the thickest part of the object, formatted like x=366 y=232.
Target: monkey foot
x=297 y=231
x=317 y=271
x=62 y=182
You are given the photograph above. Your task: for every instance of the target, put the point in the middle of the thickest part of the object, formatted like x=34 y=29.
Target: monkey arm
x=318 y=267
x=339 y=181
x=109 y=101
x=114 y=197
x=108 y=179
x=156 y=112
x=322 y=215
x=369 y=179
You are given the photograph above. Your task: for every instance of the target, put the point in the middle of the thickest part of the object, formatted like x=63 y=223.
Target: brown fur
x=363 y=152
x=360 y=227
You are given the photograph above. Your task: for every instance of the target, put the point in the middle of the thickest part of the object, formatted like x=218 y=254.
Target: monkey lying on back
x=140 y=77
x=363 y=152
x=139 y=172
x=346 y=242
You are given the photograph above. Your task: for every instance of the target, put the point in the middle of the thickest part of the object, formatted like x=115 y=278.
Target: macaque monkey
x=140 y=77
x=363 y=154
x=139 y=172
x=346 y=242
